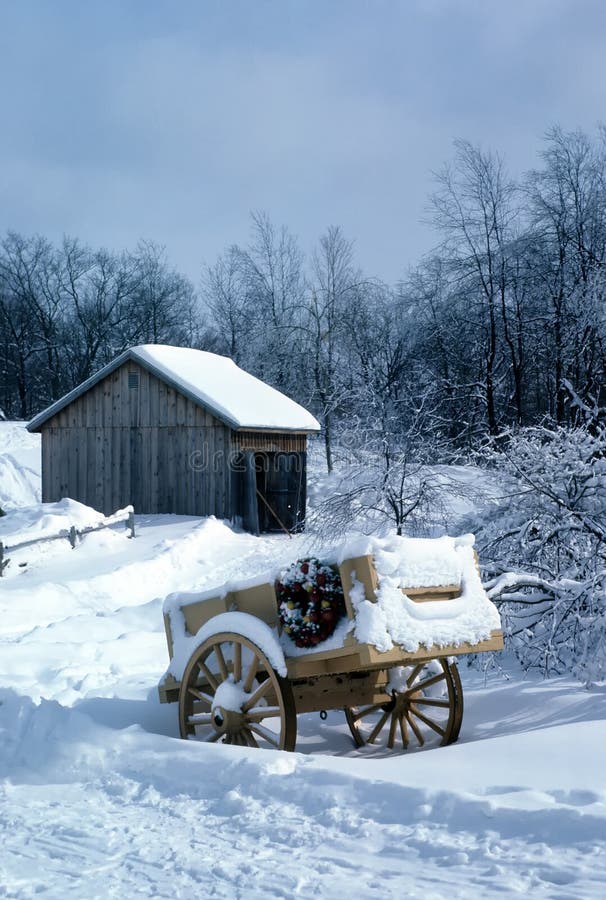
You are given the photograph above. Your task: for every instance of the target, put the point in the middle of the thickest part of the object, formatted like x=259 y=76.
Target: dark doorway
x=281 y=482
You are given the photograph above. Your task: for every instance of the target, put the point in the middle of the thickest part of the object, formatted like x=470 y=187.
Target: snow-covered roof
x=215 y=382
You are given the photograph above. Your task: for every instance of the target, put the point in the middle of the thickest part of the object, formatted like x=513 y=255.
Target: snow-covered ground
x=19 y=466
x=100 y=798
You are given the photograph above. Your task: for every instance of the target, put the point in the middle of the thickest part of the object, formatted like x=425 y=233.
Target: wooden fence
x=72 y=534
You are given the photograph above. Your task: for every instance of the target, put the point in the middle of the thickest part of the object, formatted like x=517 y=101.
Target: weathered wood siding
x=148 y=445
x=265 y=441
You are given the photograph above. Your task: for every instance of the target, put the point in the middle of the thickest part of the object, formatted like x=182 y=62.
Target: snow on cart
x=372 y=629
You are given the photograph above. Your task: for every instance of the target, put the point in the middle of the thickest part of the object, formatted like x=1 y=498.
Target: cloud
x=172 y=123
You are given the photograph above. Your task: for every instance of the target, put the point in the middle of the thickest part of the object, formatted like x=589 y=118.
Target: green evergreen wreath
x=310 y=601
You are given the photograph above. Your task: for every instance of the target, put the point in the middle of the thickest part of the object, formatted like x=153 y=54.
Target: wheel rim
x=422 y=706
x=230 y=693
x=458 y=712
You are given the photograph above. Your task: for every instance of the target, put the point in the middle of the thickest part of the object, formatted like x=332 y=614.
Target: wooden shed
x=175 y=430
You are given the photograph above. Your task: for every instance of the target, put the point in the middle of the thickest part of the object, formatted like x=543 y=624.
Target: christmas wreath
x=310 y=602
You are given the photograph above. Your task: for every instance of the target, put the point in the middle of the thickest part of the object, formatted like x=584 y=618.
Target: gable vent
x=133 y=380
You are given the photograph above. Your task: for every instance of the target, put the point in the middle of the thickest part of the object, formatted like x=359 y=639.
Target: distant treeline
x=499 y=327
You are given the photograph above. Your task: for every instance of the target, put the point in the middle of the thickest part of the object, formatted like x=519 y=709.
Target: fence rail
x=126 y=515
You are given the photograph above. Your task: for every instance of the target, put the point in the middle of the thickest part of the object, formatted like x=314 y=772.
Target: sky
x=172 y=121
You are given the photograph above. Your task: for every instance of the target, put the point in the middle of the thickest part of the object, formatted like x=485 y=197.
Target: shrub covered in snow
x=544 y=547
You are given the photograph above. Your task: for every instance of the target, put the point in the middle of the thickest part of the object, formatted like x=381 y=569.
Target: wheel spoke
x=263 y=688
x=258 y=713
x=429 y=722
x=254 y=667
x=267 y=735
x=212 y=737
x=429 y=702
x=378 y=727
x=418 y=668
x=237 y=661
x=416 y=730
x=425 y=684
x=221 y=661
x=404 y=732
x=200 y=695
x=214 y=684
x=392 y=731
x=199 y=719
x=368 y=710
x=250 y=738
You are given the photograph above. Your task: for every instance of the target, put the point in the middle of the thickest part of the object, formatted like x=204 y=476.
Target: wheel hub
x=401 y=701
x=227 y=721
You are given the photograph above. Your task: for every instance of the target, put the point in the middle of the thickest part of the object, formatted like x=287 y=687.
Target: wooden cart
x=230 y=691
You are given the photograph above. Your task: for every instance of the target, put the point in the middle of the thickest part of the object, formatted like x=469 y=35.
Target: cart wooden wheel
x=231 y=693
x=423 y=705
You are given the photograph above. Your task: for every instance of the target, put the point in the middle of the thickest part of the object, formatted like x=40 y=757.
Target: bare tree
x=99 y=287
x=255 y=295
x=334 y=288
x=473 y=208
x=567 y=200
x=224 y=294
x=32 y=310
x=162 y=300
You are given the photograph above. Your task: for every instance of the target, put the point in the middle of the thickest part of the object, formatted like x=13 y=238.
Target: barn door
x=281 y=479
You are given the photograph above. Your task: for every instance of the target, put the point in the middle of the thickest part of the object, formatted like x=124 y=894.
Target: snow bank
x=45 y=519
x=19 y=486
x=16 y=439
x=499 y=817
x=19 y=466
x=33 y=735
x=93 y=616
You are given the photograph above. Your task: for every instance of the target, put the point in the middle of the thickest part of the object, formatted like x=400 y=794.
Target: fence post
x=130 y=522
x=72 y=536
